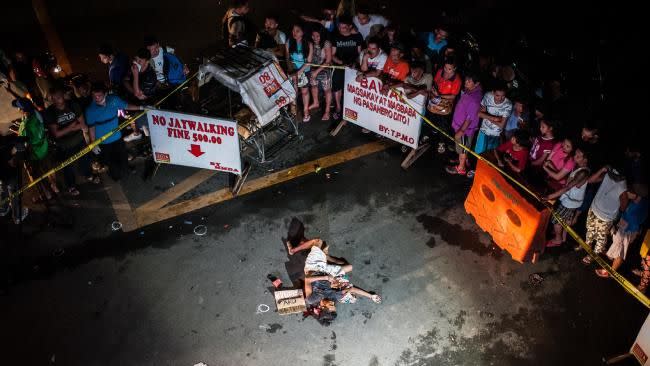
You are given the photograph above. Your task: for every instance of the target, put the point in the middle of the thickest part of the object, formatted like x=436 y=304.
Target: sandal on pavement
x=553 y=243
x=601 y=272
x=455 y=171
x=306 y=118
x=325 y=117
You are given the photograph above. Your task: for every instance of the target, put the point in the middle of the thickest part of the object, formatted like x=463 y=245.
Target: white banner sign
x=197 y=141
x=641 y=346
x=267 y=91
x=387 y=115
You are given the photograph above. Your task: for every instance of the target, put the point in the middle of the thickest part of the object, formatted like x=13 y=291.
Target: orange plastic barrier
x=515 y=224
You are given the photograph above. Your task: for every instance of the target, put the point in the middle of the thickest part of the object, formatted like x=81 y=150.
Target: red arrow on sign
x=196 y=150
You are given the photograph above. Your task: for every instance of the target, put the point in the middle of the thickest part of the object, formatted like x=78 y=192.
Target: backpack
x=172 y=68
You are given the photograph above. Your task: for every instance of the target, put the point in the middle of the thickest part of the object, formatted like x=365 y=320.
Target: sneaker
x=452 y=169
x=441 y=148
x=133 y=137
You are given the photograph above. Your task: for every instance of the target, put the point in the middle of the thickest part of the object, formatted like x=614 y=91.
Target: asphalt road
x=164 y=296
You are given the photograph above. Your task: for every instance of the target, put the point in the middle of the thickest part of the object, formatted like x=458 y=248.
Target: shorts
x=486 y=142
x=620 y=242
x=324 y=79
x=465 y=140
x=566 y=214
x=338 y=80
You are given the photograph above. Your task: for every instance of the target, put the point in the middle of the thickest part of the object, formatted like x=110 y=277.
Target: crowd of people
x=526 y=130
x=61 y=116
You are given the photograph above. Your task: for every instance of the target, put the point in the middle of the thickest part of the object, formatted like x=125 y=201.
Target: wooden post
x=414 y=155
x=51 y=35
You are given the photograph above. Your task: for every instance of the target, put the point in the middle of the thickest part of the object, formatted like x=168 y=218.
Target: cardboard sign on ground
x=290 y=301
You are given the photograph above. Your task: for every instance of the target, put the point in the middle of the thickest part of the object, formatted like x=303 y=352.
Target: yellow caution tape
x=92 y=145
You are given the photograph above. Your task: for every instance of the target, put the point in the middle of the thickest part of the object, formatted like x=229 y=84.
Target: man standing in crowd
x=372 y=59
x=170 y=70
x=396 y=68
x=465 y=122
x=235 y=25
x=611 y=199
x=39 y=157
x=101 y=118
x=347 y=46
x=118 y=67
x=67 y=126
x=436 y=41
x=327 y=19
x=143 y=85
x=495 y=109
x=368 y=24
x=271 y=38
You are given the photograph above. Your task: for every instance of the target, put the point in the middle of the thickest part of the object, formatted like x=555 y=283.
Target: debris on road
x=535 y=279
x=262 y=308
x=200 y=230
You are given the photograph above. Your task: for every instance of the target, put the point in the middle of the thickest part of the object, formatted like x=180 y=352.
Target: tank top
x=573 y=198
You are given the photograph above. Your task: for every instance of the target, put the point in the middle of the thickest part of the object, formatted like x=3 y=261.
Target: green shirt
x=32 y=128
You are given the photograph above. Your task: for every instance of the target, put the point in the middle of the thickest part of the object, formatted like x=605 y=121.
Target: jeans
x=115 y=156
x=82 y=165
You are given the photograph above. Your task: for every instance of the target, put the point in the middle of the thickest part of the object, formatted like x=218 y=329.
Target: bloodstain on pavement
x=273 y=328
x=455 y=235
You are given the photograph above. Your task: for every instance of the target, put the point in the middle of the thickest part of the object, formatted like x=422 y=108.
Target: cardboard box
x=290 y=301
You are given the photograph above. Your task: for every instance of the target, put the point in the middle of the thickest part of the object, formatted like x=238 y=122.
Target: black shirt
x=148 y=81
x=347 y=47
x=63 y=118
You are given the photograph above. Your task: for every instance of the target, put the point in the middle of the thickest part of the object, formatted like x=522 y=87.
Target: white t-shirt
x=158 y=62
x=376 y=63
x=499 y=110
x=426 y=80
x=607 y=200
x=364 y=29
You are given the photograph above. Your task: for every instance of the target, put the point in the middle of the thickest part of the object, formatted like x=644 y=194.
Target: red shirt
x=399 y=70
x=541 y=146
x=445 y=86
x=517 y=158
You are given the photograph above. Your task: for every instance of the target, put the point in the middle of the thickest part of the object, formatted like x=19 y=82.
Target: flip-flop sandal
x=306 y=118
x=551 y=244
x=455 y=171
x=325 y=119
x=587 y=260
x=601 y=272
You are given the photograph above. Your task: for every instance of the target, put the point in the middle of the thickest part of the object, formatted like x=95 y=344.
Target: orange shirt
x=445 y=86
x=399 y=70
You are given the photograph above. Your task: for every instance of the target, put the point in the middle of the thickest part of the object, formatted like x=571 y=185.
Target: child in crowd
x=559 y=164
x=629 y=227
x=495 y=109
x=542 y=144
x=517 y=119
x=570 y=196
x=514 y=153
